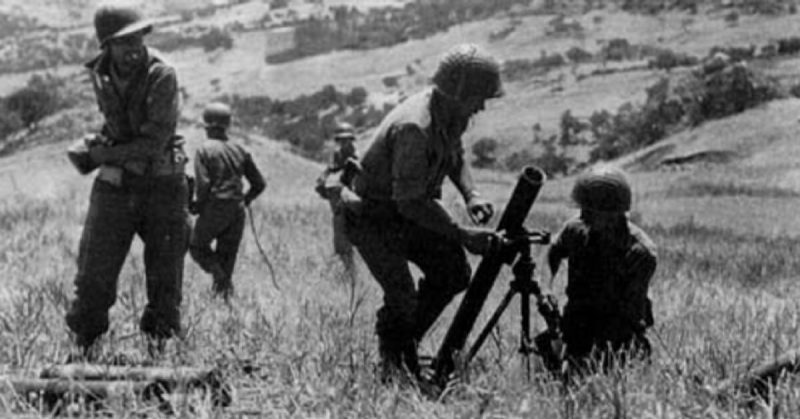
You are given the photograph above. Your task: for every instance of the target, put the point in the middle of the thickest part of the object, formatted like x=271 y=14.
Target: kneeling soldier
x=219 y=166
x=611 y=262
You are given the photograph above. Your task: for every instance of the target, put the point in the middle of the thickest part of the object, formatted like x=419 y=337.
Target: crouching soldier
x=140 y=188
x=396 y=215
x=219 y=166
x=611 y=262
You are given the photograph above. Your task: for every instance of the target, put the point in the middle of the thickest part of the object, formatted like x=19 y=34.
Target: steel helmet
x=115 y=21
x=604 y=189
x=467 y=71
x=344 y=131
x=217 y=114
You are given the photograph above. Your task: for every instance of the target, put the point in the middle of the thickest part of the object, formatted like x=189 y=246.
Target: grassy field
x=724 y=299
x=724 y=293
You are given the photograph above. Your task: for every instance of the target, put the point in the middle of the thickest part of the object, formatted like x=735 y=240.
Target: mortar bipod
x=522 y=284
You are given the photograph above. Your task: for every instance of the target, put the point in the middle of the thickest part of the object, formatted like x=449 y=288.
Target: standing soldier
x=219 y=166
x=344 y=160
x=396 y=215
x=141 y=185
x=611 y=262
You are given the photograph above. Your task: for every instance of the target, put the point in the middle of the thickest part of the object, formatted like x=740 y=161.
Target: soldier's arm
x=157 y=130
x=461 y=176
x=640 y=265
x=558 y=251
x=254 y=178
x=202 y=180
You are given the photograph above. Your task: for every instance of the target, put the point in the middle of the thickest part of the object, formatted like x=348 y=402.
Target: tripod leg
x=491 y=323
x=525 y=330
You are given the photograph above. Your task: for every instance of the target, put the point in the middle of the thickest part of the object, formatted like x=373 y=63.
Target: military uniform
x=140 y=189
x=341 y=244
x=608 y=279
x=411 y=155
x=220 y=166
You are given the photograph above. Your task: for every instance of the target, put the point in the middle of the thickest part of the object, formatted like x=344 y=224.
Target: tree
x=35 y=101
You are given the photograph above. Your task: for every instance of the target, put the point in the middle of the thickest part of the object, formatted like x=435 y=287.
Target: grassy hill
x=719 y=200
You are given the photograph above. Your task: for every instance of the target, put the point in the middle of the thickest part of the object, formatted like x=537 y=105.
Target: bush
x=357 y=96
x=519 y=159
x=521 y=69
x=485 y=152
x=675 y=102
x=667 y=59
x=787 y=46
x=216 y=38
x=618 y=49
x=307 y=120
x=578 y=55
x=37 y=100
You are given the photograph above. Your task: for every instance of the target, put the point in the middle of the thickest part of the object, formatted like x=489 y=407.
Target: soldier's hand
x=481 y=241
x=480 y=210
x=92 y=140
x=350 y=200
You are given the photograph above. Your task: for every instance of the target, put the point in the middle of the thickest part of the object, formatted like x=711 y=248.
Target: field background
x=725 y=293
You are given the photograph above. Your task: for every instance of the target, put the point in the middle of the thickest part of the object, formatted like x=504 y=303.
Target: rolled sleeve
x=410 y=168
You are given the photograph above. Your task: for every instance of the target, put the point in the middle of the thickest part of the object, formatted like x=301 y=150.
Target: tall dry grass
x=723 y=302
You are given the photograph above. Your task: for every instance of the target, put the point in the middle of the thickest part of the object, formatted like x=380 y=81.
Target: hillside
x=719 y=199
x=537 y=99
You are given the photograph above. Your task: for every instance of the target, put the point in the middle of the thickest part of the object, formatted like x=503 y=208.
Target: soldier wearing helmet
x=344 y=160
x=219 y=166
x=141 y=187
x=611 y=262
x=394 y=212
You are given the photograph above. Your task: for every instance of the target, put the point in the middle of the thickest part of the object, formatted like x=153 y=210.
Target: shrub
x=521 y=69
x=38 y=99
x=578 y=55
x=216 y=38
x=618 y=49
x=789 y=45
x=667 y=59
x=307 y=120
x=357 y=96
x=485 y=152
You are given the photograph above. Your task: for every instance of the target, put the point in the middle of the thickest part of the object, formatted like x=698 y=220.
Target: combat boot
x=222 y=286
x=156 y=347
x=88 y=350
x=390 y=366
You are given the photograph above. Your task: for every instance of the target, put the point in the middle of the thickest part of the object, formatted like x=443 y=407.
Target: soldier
x=141 y=186
x=219 y=166
x=611 y=262
x=396 y=216
x=344 y=160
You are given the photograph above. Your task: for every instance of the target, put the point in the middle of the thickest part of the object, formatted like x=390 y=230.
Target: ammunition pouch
x=78 y=154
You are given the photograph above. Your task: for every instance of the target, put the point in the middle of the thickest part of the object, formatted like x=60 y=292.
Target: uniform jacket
x=605 y=277
x=219 y=166
x=410 y=155
x=140 y=122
